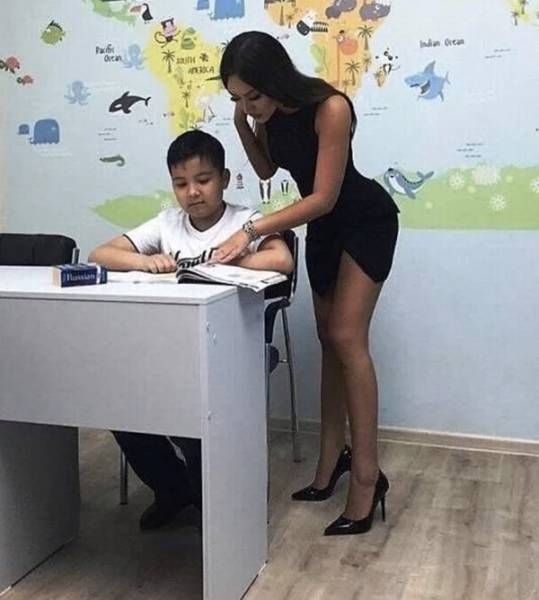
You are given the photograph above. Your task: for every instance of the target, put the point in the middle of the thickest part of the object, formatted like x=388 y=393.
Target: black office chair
x=279 y=298
x=36 y=249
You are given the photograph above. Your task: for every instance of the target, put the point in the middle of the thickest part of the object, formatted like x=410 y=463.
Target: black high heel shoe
x=312 y=494
x=344 y=526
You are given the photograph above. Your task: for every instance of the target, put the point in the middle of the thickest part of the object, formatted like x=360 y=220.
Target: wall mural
x=446 y=121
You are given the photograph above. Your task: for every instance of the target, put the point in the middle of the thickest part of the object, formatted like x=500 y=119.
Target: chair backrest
x=286 y=288
x=35 y=249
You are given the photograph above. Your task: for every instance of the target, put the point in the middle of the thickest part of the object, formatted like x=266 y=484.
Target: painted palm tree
x=169 y=57
x=523 y=4
x=365 y=33
x=367 y=61
x=289 y=18
x=186 y=95
x=281 y=14
x=516 y=16
x=352 y=68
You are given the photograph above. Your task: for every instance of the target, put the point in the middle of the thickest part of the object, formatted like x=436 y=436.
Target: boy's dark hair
x=196 y=143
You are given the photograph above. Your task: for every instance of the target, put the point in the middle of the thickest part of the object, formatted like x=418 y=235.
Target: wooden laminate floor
x=461 y=525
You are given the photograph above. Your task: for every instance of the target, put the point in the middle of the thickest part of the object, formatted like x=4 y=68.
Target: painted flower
x=498 y=203
x=457 y=181
x=534 y=185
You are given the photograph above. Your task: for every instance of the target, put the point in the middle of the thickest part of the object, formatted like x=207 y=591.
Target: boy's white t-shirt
x=171 y=231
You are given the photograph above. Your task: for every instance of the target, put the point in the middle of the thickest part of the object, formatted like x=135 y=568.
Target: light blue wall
x=454 y=335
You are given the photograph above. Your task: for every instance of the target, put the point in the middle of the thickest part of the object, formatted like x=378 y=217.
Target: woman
x=305 y=125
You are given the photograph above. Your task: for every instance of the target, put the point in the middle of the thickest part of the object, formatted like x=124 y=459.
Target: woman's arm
x=119 y=254
x=255 y=144
x=333 y=123
x=272 y=254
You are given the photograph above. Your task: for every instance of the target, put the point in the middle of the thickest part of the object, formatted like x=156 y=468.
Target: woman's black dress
x=364 y=220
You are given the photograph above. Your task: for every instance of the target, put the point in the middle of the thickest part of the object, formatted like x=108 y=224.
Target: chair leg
x=267 y=375
x=296 y=450
x=123 y=478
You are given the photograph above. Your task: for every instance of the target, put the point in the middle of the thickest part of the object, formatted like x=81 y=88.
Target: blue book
x=78 y=274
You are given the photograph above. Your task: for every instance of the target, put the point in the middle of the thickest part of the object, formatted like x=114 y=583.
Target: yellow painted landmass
x=186 y=65
x=343 y=54
x=524 y=11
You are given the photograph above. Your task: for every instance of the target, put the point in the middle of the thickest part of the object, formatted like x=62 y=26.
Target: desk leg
x=39 y=495
x=234 y=451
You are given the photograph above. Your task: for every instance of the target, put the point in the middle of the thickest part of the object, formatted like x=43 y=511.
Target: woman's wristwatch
x=251 y=231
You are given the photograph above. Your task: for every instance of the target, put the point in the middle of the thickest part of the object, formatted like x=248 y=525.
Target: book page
x=140 y=277
x=240 y=276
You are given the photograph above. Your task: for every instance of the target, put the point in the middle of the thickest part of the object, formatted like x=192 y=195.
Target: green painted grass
x=130 y=211
x=278 y=201
x=480 y=198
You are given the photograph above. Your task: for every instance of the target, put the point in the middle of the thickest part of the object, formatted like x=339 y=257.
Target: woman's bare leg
x=332 y=398
x=352 y=307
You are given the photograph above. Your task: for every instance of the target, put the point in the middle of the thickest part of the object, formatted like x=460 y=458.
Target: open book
x=213 y=273
x=230 y=275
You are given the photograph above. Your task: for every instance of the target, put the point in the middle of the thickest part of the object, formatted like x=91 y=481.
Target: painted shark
x=397 y=183
x=430 y=85
x=125 y=102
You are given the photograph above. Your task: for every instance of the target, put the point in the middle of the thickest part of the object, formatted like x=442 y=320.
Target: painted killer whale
x=125 y=103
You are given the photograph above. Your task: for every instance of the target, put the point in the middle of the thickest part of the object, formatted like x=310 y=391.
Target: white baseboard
x=441 y=439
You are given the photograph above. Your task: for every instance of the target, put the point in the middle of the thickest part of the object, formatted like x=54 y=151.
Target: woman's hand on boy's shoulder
x=157 y=263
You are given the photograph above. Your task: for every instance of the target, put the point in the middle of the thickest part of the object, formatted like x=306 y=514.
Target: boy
x=196 y=163
x=199 y=177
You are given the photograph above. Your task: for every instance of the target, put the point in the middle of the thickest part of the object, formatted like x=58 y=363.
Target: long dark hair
x=261 y=61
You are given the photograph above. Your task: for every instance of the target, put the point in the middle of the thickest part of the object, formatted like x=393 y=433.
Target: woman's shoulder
x=336 y=104
x=334 y=110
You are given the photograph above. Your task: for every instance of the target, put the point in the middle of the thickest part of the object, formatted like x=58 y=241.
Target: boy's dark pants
x=154 y=460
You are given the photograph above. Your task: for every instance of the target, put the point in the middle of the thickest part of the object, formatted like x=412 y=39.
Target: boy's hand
x=232 y=248
x=158 y=263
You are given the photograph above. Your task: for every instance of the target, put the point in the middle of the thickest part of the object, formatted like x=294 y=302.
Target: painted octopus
x=77 y=93
x=133 y=58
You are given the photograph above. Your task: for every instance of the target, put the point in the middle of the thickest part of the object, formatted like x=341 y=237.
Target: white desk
x=184 y=360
